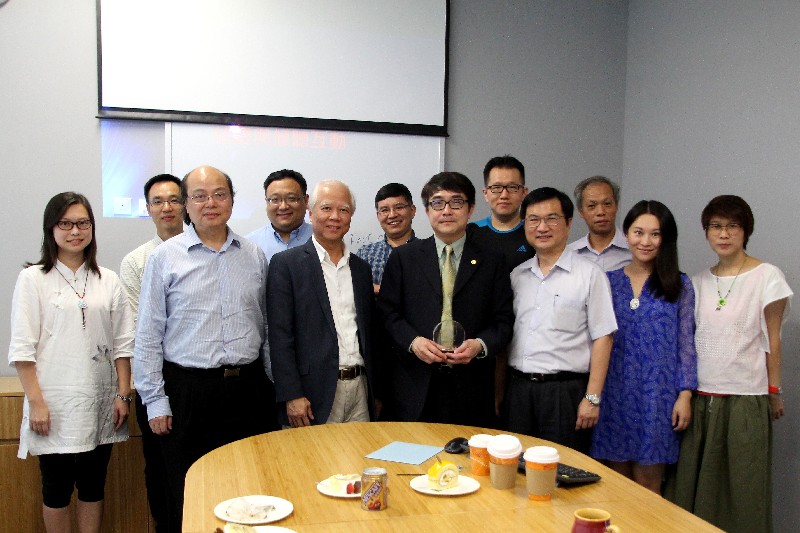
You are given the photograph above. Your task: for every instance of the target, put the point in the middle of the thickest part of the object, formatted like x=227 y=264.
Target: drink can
x=374 y=489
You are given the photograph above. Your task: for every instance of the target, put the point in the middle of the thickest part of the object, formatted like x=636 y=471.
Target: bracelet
x=775 y=390
x=126 y=399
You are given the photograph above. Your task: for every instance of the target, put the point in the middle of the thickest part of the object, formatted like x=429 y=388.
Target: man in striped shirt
x=201 y=343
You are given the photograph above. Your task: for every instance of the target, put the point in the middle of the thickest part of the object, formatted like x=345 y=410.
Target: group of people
x=603 y=345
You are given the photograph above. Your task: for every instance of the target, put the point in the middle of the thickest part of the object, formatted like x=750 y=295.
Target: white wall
x=711 y=108
x=49 y=136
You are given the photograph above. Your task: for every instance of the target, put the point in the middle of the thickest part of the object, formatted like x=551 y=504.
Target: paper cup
x=541 y=465
x=504 y=453
x=478 y=454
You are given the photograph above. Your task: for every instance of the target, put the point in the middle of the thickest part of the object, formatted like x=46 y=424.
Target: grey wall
x=542 y=80
x=711 y=108
x=700 y=92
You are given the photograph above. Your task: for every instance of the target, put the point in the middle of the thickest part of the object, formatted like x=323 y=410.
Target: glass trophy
x=448 y=334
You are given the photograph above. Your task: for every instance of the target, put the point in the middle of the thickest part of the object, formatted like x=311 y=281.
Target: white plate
x=325 y=488
x=466 y=485
x=268 y=529
x=283 y=508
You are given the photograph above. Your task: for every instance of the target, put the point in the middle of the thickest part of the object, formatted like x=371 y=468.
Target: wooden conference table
x=289 y=463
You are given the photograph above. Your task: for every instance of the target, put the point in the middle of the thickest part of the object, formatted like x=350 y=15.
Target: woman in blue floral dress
x=653 y=367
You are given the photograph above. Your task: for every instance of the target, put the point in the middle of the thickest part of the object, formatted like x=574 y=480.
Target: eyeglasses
x=67 y=225
x=454 y=203
x=511 y=188
x=399 y=208
x=278 y=200
x=219 y=196
x=551 y=221
x=158 y=202
x=733 y=228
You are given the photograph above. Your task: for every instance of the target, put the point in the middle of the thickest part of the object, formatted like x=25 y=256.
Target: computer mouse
x=457 y=445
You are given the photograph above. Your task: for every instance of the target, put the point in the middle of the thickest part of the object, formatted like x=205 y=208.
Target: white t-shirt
x=732 y=343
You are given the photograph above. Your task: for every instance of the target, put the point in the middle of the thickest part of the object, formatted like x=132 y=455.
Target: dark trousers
x=548 y=410
x=155 y=479
x=210 y=410
x=461 y=395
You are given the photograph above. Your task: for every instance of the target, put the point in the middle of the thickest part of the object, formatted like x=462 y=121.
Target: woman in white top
x=71 y=341
x=724 y=470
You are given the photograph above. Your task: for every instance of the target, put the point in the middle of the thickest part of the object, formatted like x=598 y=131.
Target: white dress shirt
x=339 y=283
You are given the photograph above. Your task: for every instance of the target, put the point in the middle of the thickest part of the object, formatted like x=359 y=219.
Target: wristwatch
x=594 y=399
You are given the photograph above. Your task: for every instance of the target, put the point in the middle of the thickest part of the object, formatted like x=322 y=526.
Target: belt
x=541 y=378
x=351 y=372
x=225 y=371
x=716 y=395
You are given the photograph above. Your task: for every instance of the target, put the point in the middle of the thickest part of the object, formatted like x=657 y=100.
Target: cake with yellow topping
x=442 y=475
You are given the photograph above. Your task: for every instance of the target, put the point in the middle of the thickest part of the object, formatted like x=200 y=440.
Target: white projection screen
x=359 y=65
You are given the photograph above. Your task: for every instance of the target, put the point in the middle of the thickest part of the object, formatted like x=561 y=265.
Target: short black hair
x=542 y=194
x=503 y=161
x=158 y=179
x=390 y=190
x=286 y=174
x=449 y=181
x=731 y=207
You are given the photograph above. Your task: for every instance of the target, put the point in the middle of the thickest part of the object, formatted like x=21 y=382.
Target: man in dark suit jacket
x=429 y=384
x=320 y=302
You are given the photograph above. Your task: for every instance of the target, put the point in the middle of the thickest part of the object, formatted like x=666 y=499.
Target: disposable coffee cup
x=541 y=465
x=504 y=453
x=478 y=454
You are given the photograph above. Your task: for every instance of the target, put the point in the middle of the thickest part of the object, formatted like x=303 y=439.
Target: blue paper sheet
x=405 y=452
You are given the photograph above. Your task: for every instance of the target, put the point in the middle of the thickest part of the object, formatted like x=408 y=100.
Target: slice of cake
x=442 y=475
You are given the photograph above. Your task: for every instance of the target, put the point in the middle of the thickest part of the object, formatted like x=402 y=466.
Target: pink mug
x=590 y=520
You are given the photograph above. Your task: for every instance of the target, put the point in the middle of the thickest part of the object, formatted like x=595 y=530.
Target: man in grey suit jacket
x=320 y=302
x=428 y=383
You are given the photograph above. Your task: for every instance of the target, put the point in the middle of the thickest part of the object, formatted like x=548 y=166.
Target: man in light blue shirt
x=287 y=201
x=597 y=199
x=563 y=330
x=201 y=340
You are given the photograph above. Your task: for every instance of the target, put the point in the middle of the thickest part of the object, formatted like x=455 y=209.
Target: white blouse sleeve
x=26 y=317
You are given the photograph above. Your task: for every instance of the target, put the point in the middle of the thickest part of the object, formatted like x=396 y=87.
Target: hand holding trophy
x=449 y=335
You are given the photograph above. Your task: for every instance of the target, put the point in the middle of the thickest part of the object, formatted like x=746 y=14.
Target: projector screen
x=360 y=65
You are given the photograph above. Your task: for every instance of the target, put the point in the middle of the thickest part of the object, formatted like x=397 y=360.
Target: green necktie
x=448 y=281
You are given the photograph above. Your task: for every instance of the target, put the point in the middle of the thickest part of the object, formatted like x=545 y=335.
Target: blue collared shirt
x=615 y=256
x=376 y=254
x=199 y=308
x=271 y=242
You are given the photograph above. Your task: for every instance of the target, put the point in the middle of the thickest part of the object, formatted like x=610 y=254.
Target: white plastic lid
x=504 y=446
x=481 y=440
x=541 y=454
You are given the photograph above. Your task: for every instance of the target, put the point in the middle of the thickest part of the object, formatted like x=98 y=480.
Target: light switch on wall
x=122 y=206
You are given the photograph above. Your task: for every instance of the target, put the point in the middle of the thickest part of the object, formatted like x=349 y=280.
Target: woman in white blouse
x=71 y=341
x=724 y=470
